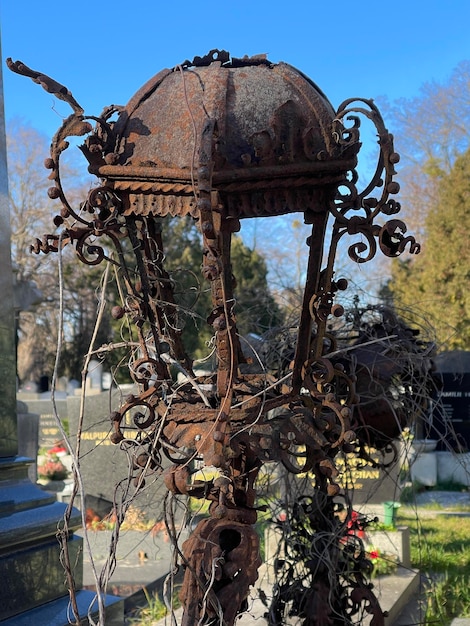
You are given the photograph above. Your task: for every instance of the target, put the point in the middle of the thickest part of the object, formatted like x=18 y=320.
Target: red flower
x=57 y=449
x=355 y=525
x=374 y=554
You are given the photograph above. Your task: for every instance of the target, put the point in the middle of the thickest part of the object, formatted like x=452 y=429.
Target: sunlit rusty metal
x=222 y=140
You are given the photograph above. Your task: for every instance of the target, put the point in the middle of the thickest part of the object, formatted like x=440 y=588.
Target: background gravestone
x=48 y=431
x=103 y=464
x=369 y=484
x=451 y=419
x=28 y=426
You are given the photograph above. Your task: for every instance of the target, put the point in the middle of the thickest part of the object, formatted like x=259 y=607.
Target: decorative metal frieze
x=223 y=140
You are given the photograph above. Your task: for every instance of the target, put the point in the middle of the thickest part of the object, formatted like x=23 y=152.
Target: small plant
x=380 y=526
x=383 y=564
x=155 y=610
x=447 y=598
x=53 y=469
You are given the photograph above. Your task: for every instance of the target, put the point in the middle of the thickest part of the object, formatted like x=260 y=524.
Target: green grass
x=155 y=610
x=440 y=549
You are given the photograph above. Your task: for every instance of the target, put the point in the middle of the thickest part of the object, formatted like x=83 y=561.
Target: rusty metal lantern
x=222 y=140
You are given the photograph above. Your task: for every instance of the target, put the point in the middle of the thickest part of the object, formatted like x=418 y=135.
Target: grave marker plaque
x=451 y=423
x=49 y=432
x=456 y=411
x=103 y=464
x=370 y=483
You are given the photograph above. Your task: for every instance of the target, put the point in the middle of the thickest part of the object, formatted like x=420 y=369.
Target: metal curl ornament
x=392 y=240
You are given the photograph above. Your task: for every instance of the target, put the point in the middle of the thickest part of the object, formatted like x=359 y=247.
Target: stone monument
x=33 y=589
x=451 y=423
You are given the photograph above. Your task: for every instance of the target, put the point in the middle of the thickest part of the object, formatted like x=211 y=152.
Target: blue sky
x=104 y=51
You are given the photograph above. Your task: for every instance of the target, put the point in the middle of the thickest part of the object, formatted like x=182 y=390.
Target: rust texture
x=223 y=140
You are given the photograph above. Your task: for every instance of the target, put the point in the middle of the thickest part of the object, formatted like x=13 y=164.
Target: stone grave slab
x=49 y=433
x=104 y=465
x=368 y=483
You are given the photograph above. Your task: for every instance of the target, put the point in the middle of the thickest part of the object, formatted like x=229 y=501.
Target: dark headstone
x=43 y=384
x=49 y=432
x=24 y=592
x=372 y=482
x=31 y=569
x=28 y=426
x=451 y=417
x=104 y=465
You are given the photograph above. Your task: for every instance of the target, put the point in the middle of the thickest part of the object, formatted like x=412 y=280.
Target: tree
x=36 y=277
x=432 y=130
x=30 y=209
x=437 y=286
x=255 y=308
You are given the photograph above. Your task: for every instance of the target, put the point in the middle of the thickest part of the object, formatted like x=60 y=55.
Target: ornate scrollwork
x=365 y=207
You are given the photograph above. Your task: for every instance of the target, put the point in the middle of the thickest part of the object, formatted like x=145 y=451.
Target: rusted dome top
x=261 y=133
